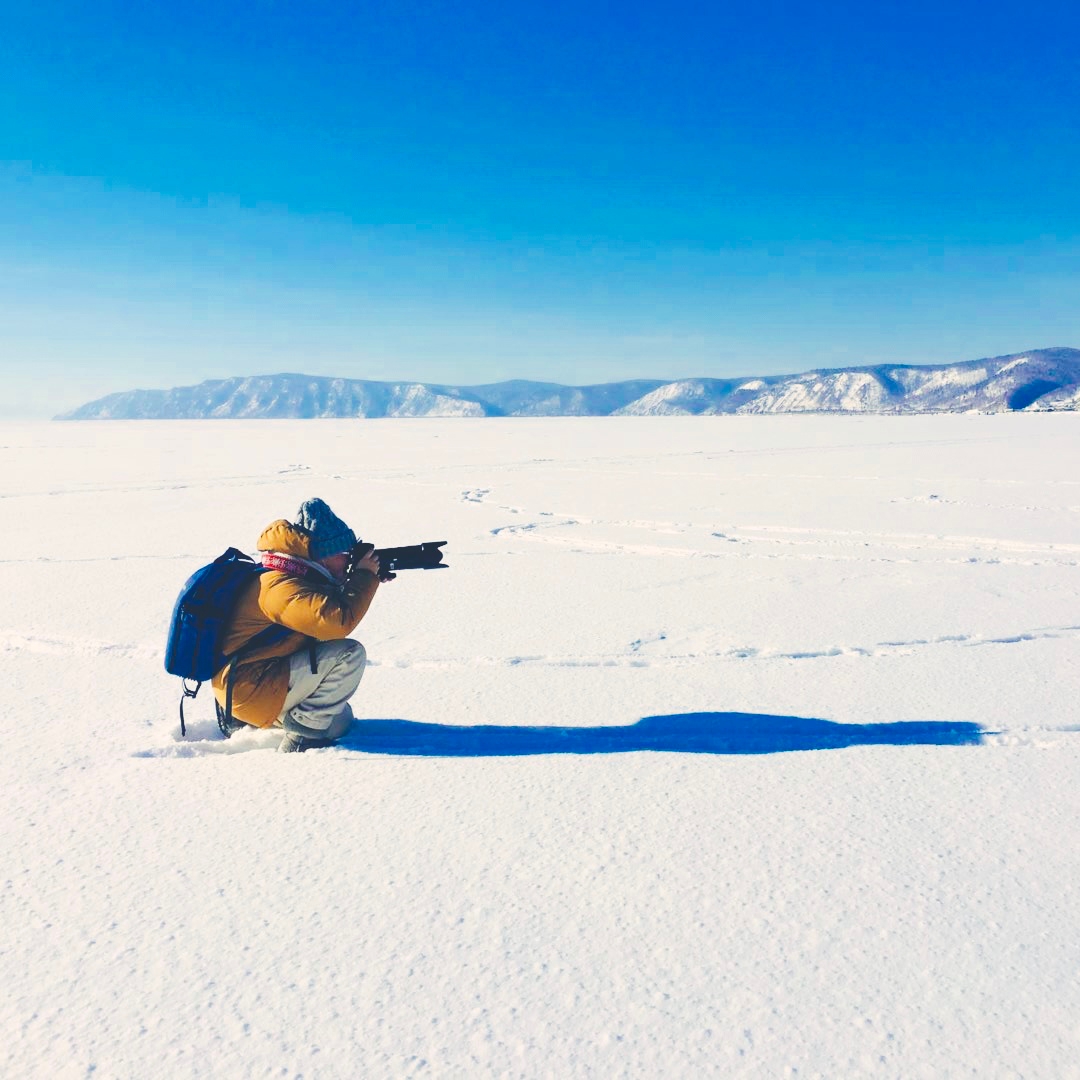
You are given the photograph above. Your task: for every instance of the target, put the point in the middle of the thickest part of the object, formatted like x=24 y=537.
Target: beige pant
x=317 y=704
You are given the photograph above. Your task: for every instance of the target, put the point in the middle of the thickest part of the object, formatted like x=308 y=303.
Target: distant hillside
x=1042 y=379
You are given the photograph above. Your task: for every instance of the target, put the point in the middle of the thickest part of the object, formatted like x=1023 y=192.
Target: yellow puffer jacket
x=313 y=606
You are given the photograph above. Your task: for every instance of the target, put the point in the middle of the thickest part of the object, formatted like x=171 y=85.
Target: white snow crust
x=418 y=400
x=918 y=383
x=1067 y=397
x=1012 y=365
x=667 y=400
x=847 y=391
x=615 y=805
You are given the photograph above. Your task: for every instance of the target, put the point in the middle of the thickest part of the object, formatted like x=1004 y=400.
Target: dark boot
x=292 y=743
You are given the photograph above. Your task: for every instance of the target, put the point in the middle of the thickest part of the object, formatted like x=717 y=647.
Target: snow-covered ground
x=734 y=747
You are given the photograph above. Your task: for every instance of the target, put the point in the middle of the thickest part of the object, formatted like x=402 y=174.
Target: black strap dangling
x=188 y=693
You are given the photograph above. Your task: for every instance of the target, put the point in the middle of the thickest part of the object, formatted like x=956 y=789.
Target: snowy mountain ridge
x=1040 y=380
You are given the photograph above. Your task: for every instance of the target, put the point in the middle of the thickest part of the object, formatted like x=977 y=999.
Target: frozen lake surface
x=734 y=747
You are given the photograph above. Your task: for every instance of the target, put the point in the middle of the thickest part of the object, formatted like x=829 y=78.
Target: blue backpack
x=197 y=631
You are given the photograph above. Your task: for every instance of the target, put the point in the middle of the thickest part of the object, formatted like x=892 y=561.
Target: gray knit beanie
x=329 y=534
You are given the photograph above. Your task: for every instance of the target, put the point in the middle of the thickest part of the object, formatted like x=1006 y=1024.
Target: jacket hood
x=284 y=536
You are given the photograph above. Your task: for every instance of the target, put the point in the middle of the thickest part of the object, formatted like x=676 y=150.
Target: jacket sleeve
x=322 y=613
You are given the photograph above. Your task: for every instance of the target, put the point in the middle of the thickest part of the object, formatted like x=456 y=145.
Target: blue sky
x=581 y=192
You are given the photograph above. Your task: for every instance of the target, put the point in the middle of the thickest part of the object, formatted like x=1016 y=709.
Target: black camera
x=426 y=556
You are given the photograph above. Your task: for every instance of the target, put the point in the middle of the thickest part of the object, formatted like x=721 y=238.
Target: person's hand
x=370 y=563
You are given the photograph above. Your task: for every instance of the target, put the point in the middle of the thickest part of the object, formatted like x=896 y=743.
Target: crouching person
x=303 y=676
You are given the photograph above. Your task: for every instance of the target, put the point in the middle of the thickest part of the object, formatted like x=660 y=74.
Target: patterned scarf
x=293 y=564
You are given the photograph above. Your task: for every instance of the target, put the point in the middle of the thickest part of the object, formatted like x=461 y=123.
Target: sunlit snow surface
x=734 y=747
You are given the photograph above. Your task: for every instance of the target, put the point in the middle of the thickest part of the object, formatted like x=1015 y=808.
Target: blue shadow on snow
x=686 y=733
